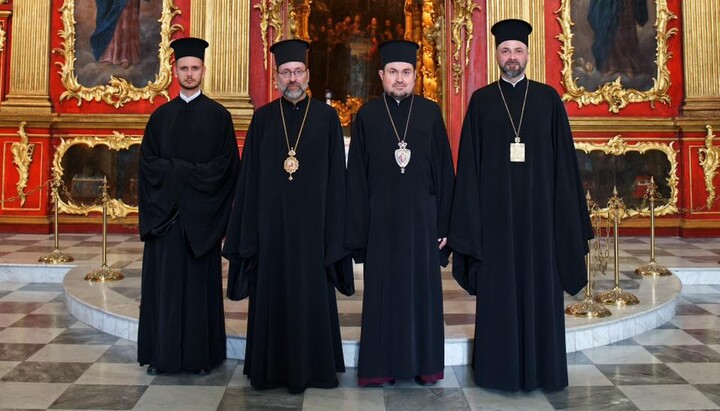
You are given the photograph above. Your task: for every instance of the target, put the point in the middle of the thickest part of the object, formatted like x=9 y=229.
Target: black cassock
x=188 y=169
x=519 y=234
x=285 y=247
x=394 y=222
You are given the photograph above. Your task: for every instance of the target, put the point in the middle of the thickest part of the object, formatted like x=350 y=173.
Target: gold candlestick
x=104 y=273
x=652 y=268
x=56 y=256
x=616 y=296
x=588 y=308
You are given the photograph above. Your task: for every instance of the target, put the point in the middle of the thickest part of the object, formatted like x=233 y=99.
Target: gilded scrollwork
x=709 y=161
x=347 y=109
x=117 y=141
x=299 y=19
x=613 y=93
x=269 y=17
x=118 y=91
x=2 y=38
x=462 y=22
x=432 y=29
x=22 y=158
x=617 y=146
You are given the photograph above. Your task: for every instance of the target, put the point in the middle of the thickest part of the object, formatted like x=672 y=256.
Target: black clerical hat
x=290 y=50
x=398 y=50
x=511 y=29
x=189 y=46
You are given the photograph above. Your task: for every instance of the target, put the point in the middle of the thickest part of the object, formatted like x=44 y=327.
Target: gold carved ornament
x=616 y=146
x=269 y=17
x=117 y=141
x=22 y=158
x=299 y=19
x=2 y=38
x=613 y=93
x=430 y=47
x=118 y=91
x=710 y=161
x=347 y=109
x=463 y=10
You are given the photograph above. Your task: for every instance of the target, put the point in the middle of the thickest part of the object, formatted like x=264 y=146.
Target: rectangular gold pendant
x=517 y=152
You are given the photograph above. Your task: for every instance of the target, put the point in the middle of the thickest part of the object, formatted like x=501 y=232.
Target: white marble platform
x=99 y=306
x=114 y=307
x=33 y=273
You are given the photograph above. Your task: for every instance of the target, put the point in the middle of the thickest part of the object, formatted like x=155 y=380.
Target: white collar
x=515 y=83
x=191 y=98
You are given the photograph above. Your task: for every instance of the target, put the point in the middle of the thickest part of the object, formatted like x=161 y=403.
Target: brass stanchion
x=104 y=273
x=652 y=268
x=56 y=257
x=588 y=308
x=616 y=296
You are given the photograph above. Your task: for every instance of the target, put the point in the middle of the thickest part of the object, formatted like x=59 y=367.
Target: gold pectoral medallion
x=402 y=156
x=291 y=164
x=517 y=152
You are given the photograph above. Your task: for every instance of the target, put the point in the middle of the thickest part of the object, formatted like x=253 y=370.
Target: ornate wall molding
x=613 y=93
x=617 y=146
x=269 y=18
x=116 y=141
x=3 y=37
x=22 y=158
x=461 y=24
x=118 y=91
x=709 y=158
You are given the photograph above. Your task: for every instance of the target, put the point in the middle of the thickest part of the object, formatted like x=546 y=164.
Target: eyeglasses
x=287 y=73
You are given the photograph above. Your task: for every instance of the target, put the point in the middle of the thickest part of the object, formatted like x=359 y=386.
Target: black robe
x=394 y=222
x=188 y=168
x=519 y=234
x=285 y=247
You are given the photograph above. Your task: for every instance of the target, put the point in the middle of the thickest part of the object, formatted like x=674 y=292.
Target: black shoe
x=202 y=371
x=420 y=381
x=151 y=370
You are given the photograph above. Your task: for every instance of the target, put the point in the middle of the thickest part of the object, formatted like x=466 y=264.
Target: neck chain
x=402 y=154
x=291 y=164
x=522 y=112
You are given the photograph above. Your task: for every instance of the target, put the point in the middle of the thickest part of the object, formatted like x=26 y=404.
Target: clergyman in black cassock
x=188 y=169
x=285 y=238
x=400 y=183
x=519 y=224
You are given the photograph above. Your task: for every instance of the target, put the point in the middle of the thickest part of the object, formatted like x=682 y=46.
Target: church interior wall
x=658 y=118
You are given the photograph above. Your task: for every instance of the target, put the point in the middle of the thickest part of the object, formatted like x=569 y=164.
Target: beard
x=398 y=95
x=294 y=94
x=510 y=72
x=189 y=84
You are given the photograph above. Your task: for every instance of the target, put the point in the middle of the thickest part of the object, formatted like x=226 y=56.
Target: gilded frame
x=117 y=141
x=617 y=146
x=424 y=24
x=118 y=91
x=613 y=93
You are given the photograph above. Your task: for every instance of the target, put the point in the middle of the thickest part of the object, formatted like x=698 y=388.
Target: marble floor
x=51 y=360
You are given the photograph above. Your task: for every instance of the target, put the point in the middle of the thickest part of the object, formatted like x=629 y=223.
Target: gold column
x=700 y=40
x=29 y=89
x=226 y=26
x=531 y=11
